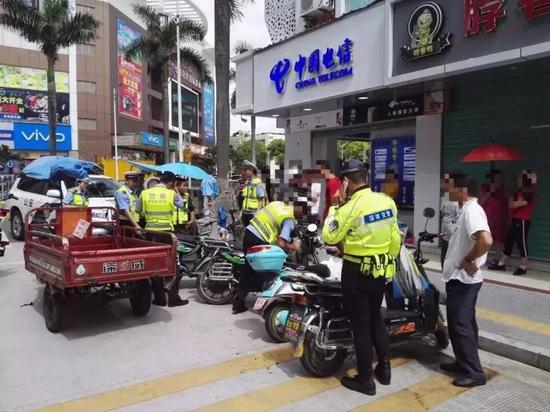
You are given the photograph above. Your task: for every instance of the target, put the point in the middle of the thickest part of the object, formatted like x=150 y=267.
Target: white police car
x=28 y=193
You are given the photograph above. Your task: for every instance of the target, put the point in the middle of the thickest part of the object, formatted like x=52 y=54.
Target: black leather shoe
x=500 y=268
x=176 y=301
x=465 y=382
x=451 y=367
x=520 y=272
x=359 y=384
x=238 y=306
x=382 y=372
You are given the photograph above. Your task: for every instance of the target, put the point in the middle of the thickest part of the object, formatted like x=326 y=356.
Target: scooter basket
x=266 y=258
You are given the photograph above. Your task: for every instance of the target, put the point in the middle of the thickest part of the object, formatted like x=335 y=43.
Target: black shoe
x=465 y=382
x=496 y=266
x=238 y=306
x=359 y=384
x=382 y=372
x=176 y=301
x=451 y=367
x=520 y=272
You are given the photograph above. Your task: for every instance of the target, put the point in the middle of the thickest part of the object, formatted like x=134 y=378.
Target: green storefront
x=508 y=105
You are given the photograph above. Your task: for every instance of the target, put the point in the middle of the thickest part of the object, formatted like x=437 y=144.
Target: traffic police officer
x=78 y=195
x=126 y=198
x=366 y=231
x=184 y=218
x=158 y=205
x=273 y=225
x=253 y=193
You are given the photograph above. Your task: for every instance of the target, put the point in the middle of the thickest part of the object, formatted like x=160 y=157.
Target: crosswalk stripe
x=419 y=397
x=276 y=396
x=515 y=321
x=156 y=388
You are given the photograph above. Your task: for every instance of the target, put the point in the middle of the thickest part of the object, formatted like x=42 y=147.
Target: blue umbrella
x=57 y=167
x=179 y=169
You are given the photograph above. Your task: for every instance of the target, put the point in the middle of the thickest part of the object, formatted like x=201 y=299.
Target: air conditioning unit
x=315 y=7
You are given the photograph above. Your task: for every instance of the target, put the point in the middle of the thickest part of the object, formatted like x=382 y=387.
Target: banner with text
x=129 y=74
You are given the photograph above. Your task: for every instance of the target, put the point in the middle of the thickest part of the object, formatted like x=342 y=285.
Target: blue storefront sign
x=152 y=139
x=208 y=110
x=406 y=163
x=36 y=136
x=319 y=66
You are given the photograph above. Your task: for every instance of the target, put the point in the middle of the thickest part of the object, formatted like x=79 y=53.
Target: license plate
x=294 y=322
x=259 y=304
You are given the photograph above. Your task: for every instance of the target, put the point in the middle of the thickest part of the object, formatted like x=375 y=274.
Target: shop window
x=86 y=87
x=87 y=124
x=358 y=4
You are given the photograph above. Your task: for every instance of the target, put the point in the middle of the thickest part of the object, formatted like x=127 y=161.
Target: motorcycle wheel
x=442 y=337
x=273 y=323
x=218 y=295
x=320 y=362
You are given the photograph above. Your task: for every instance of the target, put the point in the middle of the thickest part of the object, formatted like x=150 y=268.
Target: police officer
x=365 y=229
x=253 y=193
x=184 y=218
x=126 y=198
x=273 y=225
x=158 y=205
x=78 y=195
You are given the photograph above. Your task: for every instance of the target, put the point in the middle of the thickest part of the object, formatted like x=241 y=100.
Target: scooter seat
x=187 y=238
x=319 y=269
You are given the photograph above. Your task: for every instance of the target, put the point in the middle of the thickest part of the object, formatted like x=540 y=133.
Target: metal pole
x=115 y=131
x=178 y=64
x=253 y=137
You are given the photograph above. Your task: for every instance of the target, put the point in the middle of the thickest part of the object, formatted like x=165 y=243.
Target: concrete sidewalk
x=512 y=313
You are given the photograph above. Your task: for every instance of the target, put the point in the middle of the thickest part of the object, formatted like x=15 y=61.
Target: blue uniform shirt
x=286 y=230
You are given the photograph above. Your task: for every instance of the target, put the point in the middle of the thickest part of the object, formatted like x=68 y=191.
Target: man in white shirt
x=467 y=252
x=450 y=211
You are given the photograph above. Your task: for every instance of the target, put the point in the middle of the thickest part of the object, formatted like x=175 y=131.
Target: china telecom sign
x=319 y=67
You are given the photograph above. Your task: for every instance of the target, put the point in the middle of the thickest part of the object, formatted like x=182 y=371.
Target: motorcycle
x=320 y=330
x=274 y=301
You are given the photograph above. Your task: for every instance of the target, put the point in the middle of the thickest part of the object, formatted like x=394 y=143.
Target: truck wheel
x=320 y=362
x=275 y=321
x=17 y=225
x=141 y=297
x=53 y=303
x=442 y=337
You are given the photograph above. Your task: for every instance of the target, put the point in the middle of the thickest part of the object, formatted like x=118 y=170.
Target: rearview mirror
x=54 y=193
x=429 y=213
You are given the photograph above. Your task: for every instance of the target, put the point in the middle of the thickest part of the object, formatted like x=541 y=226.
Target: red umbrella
x=492 y=153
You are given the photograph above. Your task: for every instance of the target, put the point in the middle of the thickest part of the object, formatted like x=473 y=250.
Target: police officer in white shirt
x=467 y=253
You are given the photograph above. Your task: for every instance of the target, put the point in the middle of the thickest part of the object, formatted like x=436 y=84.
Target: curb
x=519 y=351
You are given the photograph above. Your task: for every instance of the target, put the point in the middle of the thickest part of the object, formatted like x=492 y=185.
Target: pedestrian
x=184 y=217
x=390 y=185
x=273 y=225
x=253 y=193
x=450 y=211
x=126 y=198
x=365 y=229
x=210 y=190
x=494 y=200
x=159 y=205
x=468 y=248
x=333 y=186
x=521 y=207
x=78 y=196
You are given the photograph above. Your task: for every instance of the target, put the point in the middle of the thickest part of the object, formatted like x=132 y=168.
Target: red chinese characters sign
x=130 y=98
x=534 y=8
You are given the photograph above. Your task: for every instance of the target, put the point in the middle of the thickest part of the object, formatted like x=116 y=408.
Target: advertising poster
x=381 y=162
x=36 y=136
x=208 y=113
x=32 y=79
x=31 y=105
x=189 y=108
x=129 y=74
x=406 y=162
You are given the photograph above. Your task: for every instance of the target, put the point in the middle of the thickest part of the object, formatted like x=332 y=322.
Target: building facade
x=424 y=81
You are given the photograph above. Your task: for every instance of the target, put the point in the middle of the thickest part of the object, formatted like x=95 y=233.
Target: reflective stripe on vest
x=133 y=200
x=181 y=216
x=269 y=220
x=250 y=195
x=79 y=199
x=158 y=207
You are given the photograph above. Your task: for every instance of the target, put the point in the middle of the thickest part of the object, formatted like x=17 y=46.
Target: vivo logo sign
x=33 y=136
x=151 y=139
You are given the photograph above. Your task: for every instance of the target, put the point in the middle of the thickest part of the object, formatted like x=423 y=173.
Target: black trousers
x=363 y=296
x=444 y=247
x=250 y=281
x=517 y=234
x=246 y=218
x=463 y=330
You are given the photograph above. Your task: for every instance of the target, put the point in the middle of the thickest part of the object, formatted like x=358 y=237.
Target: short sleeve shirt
x=472 y=220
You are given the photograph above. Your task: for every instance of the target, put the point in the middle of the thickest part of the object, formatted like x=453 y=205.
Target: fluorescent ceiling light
x=363 y=98
x=307 y=109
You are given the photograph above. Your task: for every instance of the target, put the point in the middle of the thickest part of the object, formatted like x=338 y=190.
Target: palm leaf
x=235 y=8
x=242 y=46
x=148 y=16
x=80 y=28
x=18 y=16
x=191 y=30
x=194 y=58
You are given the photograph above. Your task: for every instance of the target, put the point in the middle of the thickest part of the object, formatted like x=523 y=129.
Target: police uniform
x=181 y=216
x=271 y=222
x=76 y=197
x=126 y=199
x=366 y=226
x=253 y=195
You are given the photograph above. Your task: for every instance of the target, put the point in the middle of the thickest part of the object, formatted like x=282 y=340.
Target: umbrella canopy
x=492 y=153
x=179 y=169
x=57 y=167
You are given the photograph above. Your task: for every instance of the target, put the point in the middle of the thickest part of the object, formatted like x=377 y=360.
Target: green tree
x=354 y=150
x=226 y=12
x=244 y=152
x=158 y=46
x=53 y=26
x=276 y=151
